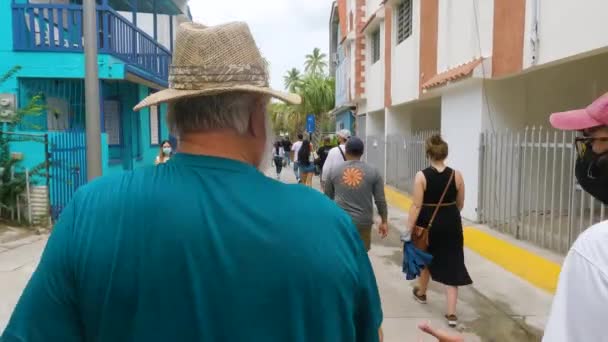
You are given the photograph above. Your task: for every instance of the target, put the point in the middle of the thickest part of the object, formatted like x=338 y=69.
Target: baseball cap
x=596 y=114
x=344 y=134
x=355 y=146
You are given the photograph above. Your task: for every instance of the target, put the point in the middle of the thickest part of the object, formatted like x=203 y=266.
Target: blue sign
x=310 y=123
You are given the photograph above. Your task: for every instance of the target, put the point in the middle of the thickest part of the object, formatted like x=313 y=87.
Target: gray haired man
x=123 y=264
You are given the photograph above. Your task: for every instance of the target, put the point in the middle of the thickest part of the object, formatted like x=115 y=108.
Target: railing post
x=171 y=33
x=155 y=20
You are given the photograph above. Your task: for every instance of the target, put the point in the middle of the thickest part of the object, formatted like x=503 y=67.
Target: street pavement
x=498 y=307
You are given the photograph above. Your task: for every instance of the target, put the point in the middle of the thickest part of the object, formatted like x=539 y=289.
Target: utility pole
x=91 y=83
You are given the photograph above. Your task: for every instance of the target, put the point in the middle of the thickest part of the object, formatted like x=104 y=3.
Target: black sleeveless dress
x=445 y=237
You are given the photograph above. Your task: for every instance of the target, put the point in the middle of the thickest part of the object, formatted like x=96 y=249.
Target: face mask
x=167 y=150
x=591 y=171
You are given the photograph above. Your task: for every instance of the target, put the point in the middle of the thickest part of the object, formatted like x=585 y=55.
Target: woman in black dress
x=445 y=234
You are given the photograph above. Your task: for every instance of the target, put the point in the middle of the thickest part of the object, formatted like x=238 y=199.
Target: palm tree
x=315 y=62
x=292 y=80
x=318 y=94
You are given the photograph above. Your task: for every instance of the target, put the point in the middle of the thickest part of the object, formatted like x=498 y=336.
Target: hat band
x=202 y=77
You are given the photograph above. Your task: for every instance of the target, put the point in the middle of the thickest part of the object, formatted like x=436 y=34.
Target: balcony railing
x=58 y=28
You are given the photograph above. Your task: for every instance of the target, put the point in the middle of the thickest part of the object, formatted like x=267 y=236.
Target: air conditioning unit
x=7 y=107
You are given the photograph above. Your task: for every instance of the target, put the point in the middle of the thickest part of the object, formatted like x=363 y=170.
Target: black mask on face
x=592 y=173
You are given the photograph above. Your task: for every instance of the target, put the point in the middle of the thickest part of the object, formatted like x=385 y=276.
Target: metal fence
x=528 y=188
x=405 y=155
x=67 y=153
x=375 y=148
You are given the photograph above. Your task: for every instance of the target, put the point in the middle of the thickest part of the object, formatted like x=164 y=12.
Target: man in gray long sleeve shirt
x=355 y=185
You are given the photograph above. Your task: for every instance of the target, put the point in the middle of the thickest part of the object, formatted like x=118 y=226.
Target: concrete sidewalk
x=18 y=259
x=499 y=306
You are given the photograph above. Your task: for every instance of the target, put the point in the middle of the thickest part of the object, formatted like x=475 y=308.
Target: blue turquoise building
x=44 y=38
x=341 y=69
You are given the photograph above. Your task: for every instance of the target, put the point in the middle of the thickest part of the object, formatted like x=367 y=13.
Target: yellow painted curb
x=535 y=269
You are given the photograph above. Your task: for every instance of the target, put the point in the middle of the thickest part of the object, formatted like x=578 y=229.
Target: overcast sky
x=285 y=30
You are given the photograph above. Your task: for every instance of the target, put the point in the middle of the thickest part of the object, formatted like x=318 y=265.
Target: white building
x=477 y=67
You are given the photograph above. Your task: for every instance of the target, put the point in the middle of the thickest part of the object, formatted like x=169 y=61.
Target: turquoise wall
x=345 y=120
x=33 y=152
x=150 y=151
x=135 y=150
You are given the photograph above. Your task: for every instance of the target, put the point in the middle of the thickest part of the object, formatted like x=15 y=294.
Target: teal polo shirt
x=200 y=249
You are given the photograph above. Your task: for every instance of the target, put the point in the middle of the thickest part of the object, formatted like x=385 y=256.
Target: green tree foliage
x=317 y=90
x=12 y=177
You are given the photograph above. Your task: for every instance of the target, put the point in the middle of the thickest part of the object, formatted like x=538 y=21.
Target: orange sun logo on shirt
x=352 y=177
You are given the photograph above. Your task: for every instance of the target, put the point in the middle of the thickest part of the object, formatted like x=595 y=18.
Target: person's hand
x=383 y=229
x=440 y=335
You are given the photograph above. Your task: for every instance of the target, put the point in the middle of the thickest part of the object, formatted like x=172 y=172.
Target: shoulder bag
x=420 y=235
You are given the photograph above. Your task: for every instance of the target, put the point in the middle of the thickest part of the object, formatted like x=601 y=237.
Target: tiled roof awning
x=461 y=71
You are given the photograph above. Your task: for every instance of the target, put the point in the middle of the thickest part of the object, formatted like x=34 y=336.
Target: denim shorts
x=307 y=169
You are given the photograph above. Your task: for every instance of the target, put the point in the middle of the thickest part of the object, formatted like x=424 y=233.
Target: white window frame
x=376 y=46
x=154 y=126
x=404 y=18
x=112 y=122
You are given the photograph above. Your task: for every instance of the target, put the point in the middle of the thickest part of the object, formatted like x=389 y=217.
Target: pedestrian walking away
x=355 y=185
x=336 y=155
x=435 y=217
x=295 y=148
x=287 y=148
x=579 y=306
x=322 y=154
x=278 y=158
x=222 y=265
x=165 y=153
x=306 y=163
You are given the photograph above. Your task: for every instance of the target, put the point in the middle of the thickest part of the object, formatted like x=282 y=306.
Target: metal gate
x=68 y=170
x=405 y=156
x=528 y=188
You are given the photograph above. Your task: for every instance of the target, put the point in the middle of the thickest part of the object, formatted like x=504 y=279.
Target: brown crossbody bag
x=420 y=235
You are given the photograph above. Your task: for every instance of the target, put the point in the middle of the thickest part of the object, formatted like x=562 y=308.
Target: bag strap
x=342 y=152
x=445 y=191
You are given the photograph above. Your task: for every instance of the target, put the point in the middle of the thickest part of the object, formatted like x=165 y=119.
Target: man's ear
x=257 y=119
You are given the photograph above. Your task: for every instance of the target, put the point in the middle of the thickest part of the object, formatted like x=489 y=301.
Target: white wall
x=353 y=76
x=566 y=28
x=426 y=117
x=351 y=6
x=371 y=7
x=529 y=99
x=459 y=38
x=375 y=123
x=376 y=141
x=405 y=69
x=398 y=120
x=374 y=75
x=414 y=117
x=461 y=126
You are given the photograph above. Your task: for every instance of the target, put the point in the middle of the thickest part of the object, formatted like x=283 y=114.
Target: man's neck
x=223 y=144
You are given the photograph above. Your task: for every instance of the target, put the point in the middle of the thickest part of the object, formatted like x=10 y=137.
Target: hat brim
x=171 y=95
x=574 y=120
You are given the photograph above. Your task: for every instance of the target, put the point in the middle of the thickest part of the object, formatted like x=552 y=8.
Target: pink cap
x=596 y=114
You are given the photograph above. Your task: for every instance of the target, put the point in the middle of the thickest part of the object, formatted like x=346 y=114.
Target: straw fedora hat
x=215 y=60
